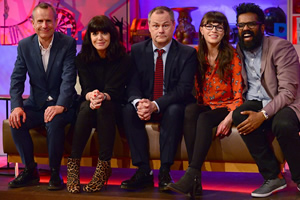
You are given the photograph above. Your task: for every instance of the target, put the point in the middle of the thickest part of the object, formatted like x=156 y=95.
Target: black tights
x=104 y=119
x=199 y=122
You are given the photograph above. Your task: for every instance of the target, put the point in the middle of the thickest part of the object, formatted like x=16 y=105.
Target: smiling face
x=161 y=28
x=44 y=23
x=214 y=36
x=100 y=41
x=250 y=38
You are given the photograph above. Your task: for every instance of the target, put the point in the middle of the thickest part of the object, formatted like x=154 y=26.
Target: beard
x=254 y=43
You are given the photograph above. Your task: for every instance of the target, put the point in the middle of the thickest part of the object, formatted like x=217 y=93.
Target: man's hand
x=14 y=119
x=224 y=128
x=254 y=120
x=145 y=109
x=51 y=111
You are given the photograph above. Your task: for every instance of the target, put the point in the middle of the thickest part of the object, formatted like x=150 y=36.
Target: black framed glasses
x=251 y=25
x=210 y=27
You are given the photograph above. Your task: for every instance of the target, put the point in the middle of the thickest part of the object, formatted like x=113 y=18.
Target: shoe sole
x=176 y=190
x=137 y=188
x=163 y=189
x=268 y=194
x=56 y=187
x=32 y=183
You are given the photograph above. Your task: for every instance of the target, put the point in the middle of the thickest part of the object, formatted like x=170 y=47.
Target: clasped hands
x=145 y=108
x=14 y=119
x=95 y=97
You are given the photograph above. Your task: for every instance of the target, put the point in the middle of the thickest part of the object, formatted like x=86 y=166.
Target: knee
x=204 y=119
x=85 y=108
x=283 y=127
x=56 y=123
x=128 y=111
x=237 y=117
x=107 y=109
x=190 y=112
x=174 y=110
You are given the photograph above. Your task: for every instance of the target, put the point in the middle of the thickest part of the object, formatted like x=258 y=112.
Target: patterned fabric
x=218 y=93
x=159 y=76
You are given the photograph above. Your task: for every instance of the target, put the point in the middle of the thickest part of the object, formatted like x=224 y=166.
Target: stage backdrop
x=204 y=6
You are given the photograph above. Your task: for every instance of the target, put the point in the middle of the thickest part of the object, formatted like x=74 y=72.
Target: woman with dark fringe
x=102 y=67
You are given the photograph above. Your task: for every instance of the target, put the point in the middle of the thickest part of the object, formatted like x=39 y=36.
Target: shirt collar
x=166 y=48
x=50 y=45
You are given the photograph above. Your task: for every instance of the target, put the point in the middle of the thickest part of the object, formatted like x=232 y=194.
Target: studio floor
x=216 y=186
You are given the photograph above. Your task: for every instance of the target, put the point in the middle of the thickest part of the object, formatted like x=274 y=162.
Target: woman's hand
x=224 y=128
x=96 y=98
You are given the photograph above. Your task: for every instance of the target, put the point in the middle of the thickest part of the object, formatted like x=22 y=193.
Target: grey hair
x=160 y=10
x=44 y=5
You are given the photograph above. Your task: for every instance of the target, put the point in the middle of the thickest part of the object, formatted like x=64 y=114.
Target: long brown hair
x=225 y=54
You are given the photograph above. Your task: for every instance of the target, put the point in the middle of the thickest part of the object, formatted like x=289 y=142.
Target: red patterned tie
x=158 y=76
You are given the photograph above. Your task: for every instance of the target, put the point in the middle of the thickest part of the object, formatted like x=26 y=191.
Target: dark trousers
x=285 y=126
x=104 y=119
x=199 y=122
x=170 y=134
x=55 y=135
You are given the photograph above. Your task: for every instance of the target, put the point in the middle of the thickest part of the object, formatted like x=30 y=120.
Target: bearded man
x=272 y=93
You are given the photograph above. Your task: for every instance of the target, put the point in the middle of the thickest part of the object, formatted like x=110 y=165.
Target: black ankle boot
x=189 y=184
x=30 y=176
x=56 y=182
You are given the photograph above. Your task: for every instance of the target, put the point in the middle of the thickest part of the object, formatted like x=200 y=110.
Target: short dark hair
x=160 y=10
x=114 y=50
x=44 y=5
x=250 y=8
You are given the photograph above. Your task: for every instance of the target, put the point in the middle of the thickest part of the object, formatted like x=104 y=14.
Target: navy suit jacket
x=180 y=69
x=59 y=79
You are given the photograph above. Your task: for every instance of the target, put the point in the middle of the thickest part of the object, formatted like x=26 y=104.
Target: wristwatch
x=265 y=114
x=105 y=97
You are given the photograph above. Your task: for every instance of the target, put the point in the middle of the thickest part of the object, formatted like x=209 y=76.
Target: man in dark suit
x=271 y=77
x=48 y=58
x=157 y=98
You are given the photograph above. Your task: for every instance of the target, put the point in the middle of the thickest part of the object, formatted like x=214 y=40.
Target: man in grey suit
x=177 y=64
x=48 y=58
x=272 y=93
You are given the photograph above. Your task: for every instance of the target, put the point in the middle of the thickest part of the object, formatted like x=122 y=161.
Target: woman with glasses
x=218 y=92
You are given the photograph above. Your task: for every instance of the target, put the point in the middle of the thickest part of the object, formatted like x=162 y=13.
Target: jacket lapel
x=37 y=53
x=244 y=73
x=169 y=62
x=150 y=63
x=53 y=52
x=264 y=55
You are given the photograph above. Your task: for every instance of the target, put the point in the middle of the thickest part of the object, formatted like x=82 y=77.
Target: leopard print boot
x=101 y=176
x=73 y=181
